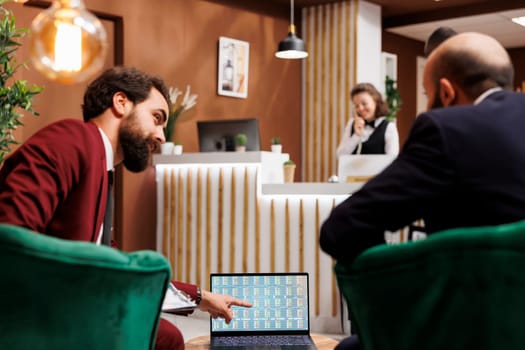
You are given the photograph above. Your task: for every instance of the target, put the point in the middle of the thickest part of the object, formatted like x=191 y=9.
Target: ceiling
x=416 y=19
x=498 y=25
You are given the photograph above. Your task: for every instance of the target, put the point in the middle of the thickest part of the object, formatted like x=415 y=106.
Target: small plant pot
x=177 y=149
x=167 y=148
x=277 y=148
x=289 y=172
x=240 y=148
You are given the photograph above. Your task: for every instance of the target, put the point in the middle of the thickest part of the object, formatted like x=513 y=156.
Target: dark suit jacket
x=460 y=166
x=56 y=184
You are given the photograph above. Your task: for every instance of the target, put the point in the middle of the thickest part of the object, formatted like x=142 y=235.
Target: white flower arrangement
x=177 y=108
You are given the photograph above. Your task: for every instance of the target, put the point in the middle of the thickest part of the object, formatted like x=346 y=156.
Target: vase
x=277 y=148
x=289 y=172
x=177 y=150
x=167 y=148
x=240 y=148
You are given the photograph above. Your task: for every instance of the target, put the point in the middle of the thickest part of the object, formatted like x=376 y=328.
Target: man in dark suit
x=462 y=164
x=56 y=183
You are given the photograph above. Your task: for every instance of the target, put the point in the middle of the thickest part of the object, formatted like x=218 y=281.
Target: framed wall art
x=233 y=67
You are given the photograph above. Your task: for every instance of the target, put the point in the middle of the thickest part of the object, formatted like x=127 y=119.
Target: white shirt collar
x=378 y=121
x=486 y=93
x=109 y=150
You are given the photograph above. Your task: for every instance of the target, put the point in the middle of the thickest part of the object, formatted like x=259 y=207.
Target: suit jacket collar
x=486 y=94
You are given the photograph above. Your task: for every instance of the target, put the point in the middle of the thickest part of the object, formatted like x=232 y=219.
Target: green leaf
x=393 y=98
x=19 y=96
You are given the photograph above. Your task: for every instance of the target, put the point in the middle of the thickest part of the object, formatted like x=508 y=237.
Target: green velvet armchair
x=57 y=294
x=458 y=289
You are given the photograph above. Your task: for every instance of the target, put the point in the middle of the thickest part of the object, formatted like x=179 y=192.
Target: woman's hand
x=359 y=125
x=218 y=305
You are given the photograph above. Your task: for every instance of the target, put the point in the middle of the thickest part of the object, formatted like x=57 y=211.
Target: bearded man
x=56 y=183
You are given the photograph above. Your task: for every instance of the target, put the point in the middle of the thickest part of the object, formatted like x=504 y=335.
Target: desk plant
x=17 y=96
x=240 y=142
x=289 y=170
x=276 y=145
x=177 y=148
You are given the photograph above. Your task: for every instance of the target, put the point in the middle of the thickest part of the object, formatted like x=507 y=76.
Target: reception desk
x=230 y=212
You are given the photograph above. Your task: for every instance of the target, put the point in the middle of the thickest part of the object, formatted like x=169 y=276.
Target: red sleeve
x=40 y=175
x=187 y=288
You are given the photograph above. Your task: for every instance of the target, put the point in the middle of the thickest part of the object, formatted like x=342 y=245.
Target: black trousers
x=349 y=343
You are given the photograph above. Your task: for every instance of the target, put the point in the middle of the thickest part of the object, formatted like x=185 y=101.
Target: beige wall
x=406 y=50
x=177 y=39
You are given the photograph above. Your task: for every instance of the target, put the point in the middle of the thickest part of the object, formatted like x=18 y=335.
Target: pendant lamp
x=291 y=47
x=68 y=43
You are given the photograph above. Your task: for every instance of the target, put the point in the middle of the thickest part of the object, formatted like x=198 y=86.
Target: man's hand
x=218 y=305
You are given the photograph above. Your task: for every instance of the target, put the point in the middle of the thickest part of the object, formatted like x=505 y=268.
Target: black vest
x=376 y=142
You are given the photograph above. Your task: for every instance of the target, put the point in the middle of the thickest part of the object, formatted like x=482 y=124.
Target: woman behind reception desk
x=368 y=132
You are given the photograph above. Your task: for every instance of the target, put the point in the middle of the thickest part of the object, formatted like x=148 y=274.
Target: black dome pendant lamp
x=291 y=47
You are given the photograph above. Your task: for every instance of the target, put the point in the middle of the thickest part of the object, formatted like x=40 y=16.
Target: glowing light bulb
x=68 y=48
x=68 y=43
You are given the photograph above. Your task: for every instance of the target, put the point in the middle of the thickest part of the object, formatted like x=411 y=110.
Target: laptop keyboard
x=263 y=340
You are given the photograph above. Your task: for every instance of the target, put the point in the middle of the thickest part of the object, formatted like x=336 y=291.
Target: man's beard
x=135 y=146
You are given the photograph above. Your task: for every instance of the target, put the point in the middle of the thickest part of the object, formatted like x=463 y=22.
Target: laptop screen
x=280 y=302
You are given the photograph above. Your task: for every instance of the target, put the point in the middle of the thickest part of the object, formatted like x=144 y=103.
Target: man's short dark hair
x=131 y=81
x=437 y=37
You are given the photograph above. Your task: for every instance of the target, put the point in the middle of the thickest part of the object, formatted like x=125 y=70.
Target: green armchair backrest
x=458 y=289
x=57 y=294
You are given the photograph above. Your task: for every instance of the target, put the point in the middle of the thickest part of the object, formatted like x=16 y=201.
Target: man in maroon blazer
x=56 y=183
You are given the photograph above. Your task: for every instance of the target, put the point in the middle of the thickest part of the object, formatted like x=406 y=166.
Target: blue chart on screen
x=280 y=308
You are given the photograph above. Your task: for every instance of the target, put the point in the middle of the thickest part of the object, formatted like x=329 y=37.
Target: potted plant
x=393 y=98
x=177 y=108
x=167 y=147
x=289 y=171
x=177 y=149
x=240 y=142
x=16 y=95
x=276 y=145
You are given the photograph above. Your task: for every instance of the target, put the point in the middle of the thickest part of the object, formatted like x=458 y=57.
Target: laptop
x=279 y=317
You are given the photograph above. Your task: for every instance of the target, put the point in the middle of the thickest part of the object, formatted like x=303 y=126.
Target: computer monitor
x=219 y=135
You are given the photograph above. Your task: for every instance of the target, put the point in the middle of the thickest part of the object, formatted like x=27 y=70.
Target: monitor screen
x=219 y=135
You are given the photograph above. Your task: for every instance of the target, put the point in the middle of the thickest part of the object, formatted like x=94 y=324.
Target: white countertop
x=311 y=188
x=271 y=163
x=219 y=157
x=271 y=171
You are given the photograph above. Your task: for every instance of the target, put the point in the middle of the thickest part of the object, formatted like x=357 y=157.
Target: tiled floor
x=198 y=324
